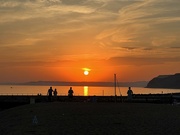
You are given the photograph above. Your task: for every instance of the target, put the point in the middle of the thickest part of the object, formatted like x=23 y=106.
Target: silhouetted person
x=50 y=92
x=129 y=93
x=70 y=93
x=55 y=94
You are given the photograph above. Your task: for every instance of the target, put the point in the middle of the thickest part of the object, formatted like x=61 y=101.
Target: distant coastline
x=165 y=81
x=59 y=83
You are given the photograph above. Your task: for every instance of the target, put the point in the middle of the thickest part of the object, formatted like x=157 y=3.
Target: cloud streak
x=148 y=23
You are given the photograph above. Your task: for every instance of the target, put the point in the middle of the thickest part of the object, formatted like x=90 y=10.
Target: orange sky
x=53 y=40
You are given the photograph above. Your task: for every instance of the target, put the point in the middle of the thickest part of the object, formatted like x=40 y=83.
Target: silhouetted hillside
x=165 y=81
x=100 y=84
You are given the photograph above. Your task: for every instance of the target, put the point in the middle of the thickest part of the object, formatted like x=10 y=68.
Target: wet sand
x=85 y=118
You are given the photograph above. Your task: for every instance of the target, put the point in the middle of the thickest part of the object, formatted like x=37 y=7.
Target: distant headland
x=165 y=81
x=100 y=84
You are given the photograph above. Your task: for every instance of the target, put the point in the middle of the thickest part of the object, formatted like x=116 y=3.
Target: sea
x=80 y=90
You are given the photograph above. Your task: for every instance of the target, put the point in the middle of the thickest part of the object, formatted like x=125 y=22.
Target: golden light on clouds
x=66 y=40
x=86 y=69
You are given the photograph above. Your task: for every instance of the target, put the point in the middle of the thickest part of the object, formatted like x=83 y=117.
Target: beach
x=87 y=118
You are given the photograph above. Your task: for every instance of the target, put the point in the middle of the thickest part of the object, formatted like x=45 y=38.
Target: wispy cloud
x=117 y=27
x=148 y=23
x=19 y=10
x=140 y=61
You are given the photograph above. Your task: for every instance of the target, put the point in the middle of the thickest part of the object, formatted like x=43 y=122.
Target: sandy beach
x=83 y=118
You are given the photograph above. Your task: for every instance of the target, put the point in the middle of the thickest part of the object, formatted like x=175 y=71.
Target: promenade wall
x=8 y=101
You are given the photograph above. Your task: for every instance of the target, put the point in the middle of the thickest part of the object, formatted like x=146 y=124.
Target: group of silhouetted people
x=54 y=92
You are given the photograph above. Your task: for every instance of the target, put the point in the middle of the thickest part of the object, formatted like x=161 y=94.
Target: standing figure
x=49 y=93
x=70 y=93
x=55 y=94
x=129 y=93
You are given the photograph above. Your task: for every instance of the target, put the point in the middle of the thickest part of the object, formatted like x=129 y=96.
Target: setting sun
x=86 y=72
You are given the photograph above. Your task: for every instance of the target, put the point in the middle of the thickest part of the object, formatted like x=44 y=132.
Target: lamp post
x=115 y=86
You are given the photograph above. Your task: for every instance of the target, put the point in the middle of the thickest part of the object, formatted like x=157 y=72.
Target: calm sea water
x=79 y=90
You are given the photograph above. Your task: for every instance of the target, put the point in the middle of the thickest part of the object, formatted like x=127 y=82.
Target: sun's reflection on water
x=85 y=90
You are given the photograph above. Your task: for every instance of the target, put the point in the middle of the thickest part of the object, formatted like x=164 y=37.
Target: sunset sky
x=55 y=40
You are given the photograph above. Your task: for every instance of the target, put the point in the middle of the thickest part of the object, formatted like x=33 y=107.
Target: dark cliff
x=165 y=81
